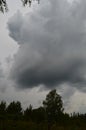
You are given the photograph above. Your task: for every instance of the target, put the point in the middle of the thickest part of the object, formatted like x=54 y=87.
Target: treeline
x=51 y=113
x=14 y=111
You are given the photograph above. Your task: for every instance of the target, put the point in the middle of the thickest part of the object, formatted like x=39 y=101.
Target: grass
x=24 y=125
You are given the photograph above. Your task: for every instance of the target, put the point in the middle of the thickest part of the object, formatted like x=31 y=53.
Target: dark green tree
x=3 y=113
x=2 y=108
x=14 y=107
x=28 y=113
x=53 y=106
x=38 y=115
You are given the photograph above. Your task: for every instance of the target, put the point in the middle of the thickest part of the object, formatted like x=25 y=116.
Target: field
x=24 y=125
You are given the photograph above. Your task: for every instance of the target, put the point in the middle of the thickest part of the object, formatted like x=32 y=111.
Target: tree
x=28 y=113
x=14 y=110
x=14 y=107
x=2 y=107
x=53 y=106
x=3 y=4
x=38 y=115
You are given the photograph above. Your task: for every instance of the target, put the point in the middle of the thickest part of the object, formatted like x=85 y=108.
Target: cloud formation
x=3 y=80
x=52 y=43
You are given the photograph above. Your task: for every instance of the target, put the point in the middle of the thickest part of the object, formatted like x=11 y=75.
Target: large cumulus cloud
x=3 y=80
x=52 y=43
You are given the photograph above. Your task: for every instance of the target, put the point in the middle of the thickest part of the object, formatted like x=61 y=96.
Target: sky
x=41 y=48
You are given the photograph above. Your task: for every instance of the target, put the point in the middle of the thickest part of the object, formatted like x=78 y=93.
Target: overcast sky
x=42 y=48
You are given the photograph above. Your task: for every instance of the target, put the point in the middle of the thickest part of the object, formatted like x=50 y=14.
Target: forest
x=49 y=116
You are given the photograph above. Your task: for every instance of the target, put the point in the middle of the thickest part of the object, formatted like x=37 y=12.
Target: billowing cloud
x=52 y=43
x=3 y=80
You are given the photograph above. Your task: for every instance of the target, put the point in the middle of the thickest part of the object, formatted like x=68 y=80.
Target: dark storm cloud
x=52 y=43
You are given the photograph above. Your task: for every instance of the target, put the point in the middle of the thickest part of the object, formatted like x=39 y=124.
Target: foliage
x=39 y=115
x=14 y=108
x=28 y=113
x=3 y=4
x=25 y=2
x=2 y=107
x=13 y=117
x=53 y=105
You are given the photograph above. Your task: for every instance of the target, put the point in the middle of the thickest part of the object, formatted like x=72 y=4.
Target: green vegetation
x=50 y=116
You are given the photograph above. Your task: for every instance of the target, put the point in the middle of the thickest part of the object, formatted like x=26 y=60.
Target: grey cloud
x=3 y=80
x=16 y=26
x=52 y=45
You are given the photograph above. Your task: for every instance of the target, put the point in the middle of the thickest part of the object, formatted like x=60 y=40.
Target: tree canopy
x=2 y=107
x=3 y=6
x=14 y=108
x=53 y=105
x=49 y=116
